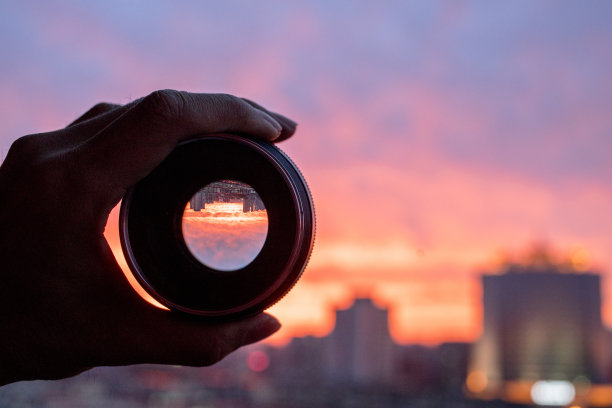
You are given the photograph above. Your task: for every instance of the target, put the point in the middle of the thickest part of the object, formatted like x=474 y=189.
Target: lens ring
x=154 y=247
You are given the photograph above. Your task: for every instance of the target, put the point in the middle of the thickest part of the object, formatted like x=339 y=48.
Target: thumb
x=263 y=326
x=174 y=338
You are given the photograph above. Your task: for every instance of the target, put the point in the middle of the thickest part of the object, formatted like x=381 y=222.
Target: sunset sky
x=438 y=138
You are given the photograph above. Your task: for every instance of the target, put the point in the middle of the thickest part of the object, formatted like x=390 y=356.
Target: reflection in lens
x=225 y=225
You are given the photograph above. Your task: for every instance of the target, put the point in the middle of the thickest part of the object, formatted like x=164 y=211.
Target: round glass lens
x=225 y=225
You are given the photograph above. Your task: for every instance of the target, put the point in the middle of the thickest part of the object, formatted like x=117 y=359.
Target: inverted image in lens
x=225 y=225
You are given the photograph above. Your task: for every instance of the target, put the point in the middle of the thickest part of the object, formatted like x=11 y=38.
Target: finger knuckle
x=100 y=108
x=24 y=146
x=235 y=107
x=165 y=104
x=31 y=162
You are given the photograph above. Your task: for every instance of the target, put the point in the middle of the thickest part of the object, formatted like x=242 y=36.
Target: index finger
x=136 y=142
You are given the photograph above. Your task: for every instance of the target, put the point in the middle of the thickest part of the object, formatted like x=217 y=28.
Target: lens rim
x=155 y=249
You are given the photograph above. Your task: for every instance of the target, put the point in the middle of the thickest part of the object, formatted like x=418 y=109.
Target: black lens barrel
x=152 y=238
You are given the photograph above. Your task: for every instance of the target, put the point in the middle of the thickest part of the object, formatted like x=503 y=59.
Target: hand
x=65 y=304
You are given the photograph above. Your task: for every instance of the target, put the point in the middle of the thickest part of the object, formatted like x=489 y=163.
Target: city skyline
x=358 y=364
x=227 y=191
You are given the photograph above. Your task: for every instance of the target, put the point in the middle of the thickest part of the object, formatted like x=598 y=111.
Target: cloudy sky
x=437 y=137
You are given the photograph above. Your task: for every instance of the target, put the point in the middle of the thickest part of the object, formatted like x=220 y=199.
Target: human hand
x=65 y=304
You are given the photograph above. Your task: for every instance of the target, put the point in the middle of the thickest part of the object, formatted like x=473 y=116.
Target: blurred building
x=543 y=340
x=302 y=361
x=360 y=347
x=359 y=351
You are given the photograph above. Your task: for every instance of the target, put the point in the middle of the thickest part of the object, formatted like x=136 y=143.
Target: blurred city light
x=257 y=360
x=553 y=393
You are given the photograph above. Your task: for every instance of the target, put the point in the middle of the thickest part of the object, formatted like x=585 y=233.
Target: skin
x=65 y=305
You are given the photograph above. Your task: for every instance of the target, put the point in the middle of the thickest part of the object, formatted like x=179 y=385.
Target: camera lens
x=223 y=227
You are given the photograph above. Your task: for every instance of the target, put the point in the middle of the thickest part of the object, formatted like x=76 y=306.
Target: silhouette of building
x=360 y=347
x=542 y=338
x=226 y=191
x=359 y=351
x=252 y=202
x=303 y=361
x=198 y=201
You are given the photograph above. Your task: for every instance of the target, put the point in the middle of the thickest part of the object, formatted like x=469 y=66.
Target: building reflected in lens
x=227 y=191
x=225 y=225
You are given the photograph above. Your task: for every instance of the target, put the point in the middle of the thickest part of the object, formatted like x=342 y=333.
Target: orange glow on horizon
x=581 y=260
x=111 y=233
x=429 y=301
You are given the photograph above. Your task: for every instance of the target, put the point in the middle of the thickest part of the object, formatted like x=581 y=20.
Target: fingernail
x=271 y=129
x=265 y=326
x=277 y=126
x=291 y=123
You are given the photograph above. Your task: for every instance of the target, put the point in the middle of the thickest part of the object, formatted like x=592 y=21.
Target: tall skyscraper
x=542 y=338
x=198 y=201
x=360 y=347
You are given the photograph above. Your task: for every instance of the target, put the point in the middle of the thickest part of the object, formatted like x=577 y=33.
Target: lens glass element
x=225 y=225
